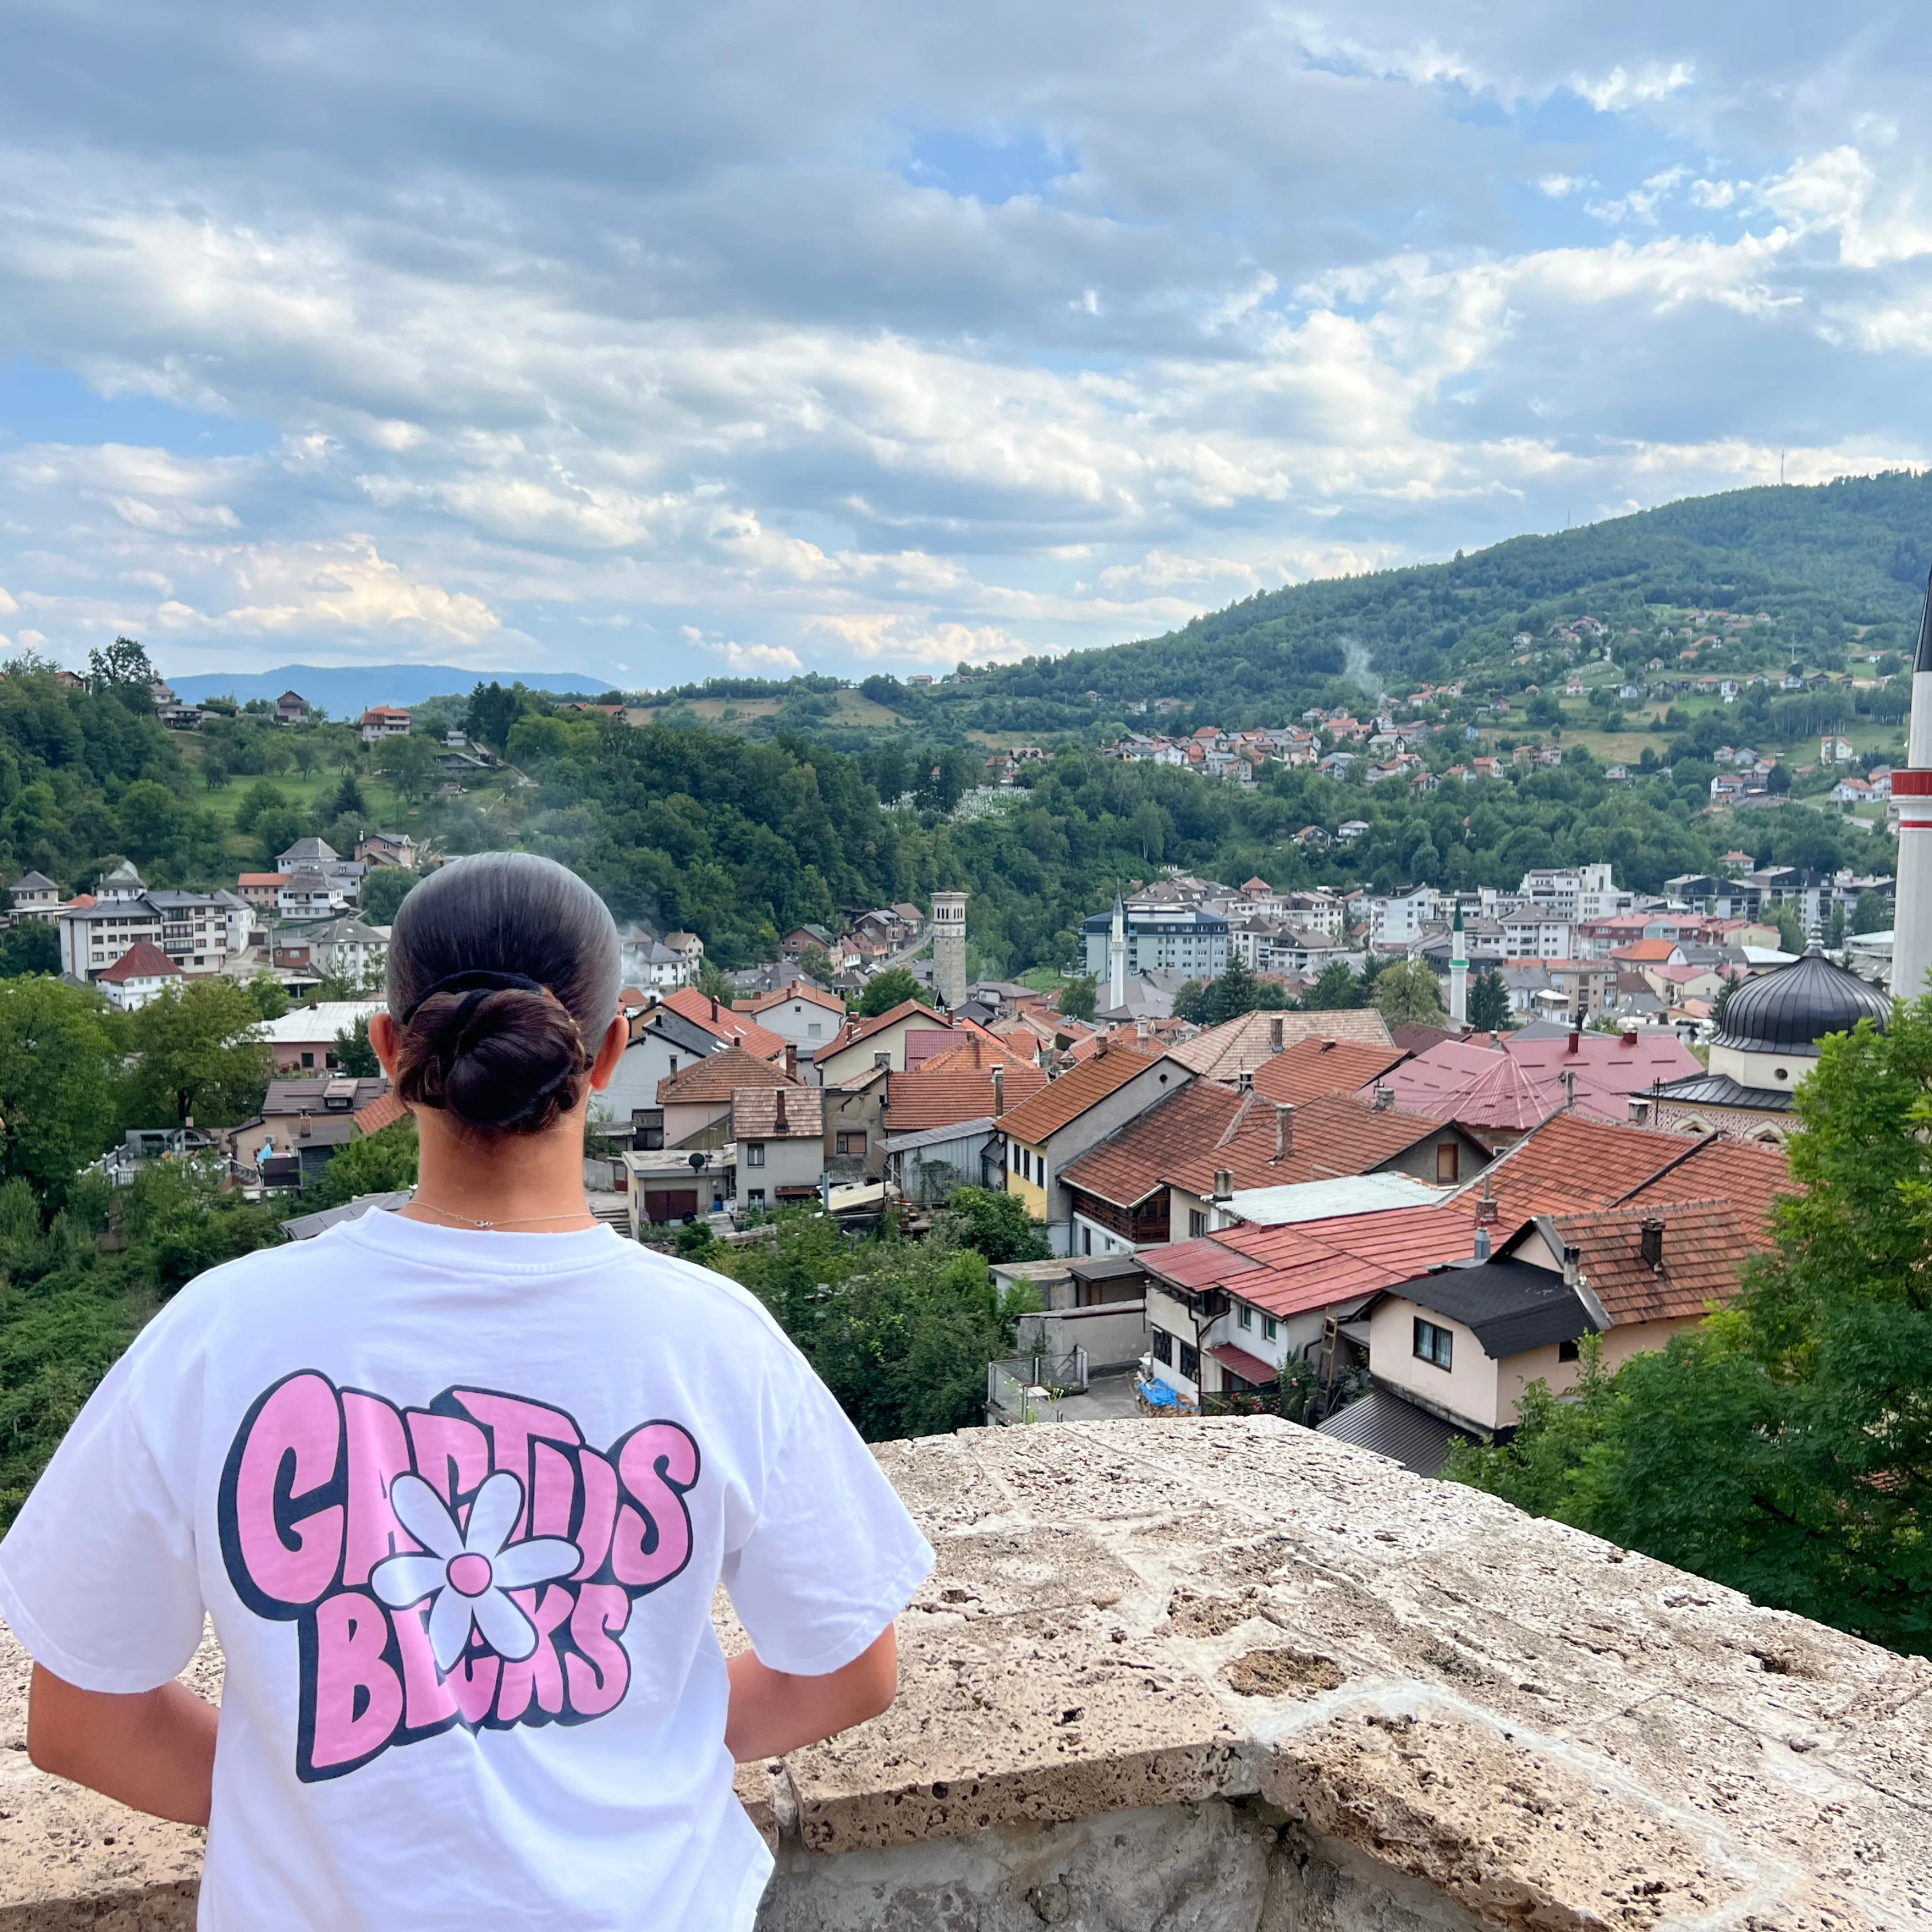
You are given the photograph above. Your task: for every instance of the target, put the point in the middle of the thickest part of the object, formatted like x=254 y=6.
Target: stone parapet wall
x=1230 y=1675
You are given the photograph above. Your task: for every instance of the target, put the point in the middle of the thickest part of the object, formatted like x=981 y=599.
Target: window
x=1433 y=1343
x=308 y=1060
x=754 y=1153
x=1190 y=1361
x=1246 y=1316
x=1014 y=1150
x=1270 y=1327
x=852 y=1144
x=1568 y=1352
x=1163 y=1345
x=755 y=1197
x=1448 y=1162
x=1197 y=1223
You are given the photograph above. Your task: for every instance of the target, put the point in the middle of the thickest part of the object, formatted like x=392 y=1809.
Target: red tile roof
x=380 y=1113
x=1749 y=1175
x=1044 y=1114
x=143 y=960
x=1312 y=1067
x=928 y=1098
x=1467 y=1080
x=1311 y=1264
x=1705 y=1246
x=1238 y=1046
x=1572 y=1164
x=718 y=1076
x=856 y=1032
x=798 y=989
x=1645 y=952
x=979 y=1051
x=725 y=1022
x=755 y=1111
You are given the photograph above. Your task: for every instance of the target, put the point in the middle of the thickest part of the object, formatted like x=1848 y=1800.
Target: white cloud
x=760 y=660
x=1557 y=187
x=1621 y=88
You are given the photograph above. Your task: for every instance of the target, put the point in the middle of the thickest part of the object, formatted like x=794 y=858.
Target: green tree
x=996 y=1226
x=31 y=946
x=270 y=996
x=58 y=1060
x=122 y=666
x=196 y=1053
x=354 y=1054
x=260 y=796
x=383 y=1162
x=1407 y=993
x=885 y=991
x=815 y=963
x=1790 y=929
x=409 y=763
x=1080 y=999
x=1337 y=987
x=276 y=830
x=1488 y=1001
x=349 y=802
x=1873 y=913
x=383 y=891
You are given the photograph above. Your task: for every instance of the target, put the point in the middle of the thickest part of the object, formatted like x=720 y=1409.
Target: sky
x=666 y=342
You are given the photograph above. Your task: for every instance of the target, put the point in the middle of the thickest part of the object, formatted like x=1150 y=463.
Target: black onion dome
x=1791 y=1008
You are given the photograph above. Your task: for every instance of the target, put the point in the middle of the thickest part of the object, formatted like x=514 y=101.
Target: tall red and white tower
x=1911 y=791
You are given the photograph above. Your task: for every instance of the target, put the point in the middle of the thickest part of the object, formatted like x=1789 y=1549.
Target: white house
x=138 y=976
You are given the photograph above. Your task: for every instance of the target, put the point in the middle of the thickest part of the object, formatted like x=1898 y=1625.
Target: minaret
x=1911 y=900
x=1117 y=957
x=1458 y=974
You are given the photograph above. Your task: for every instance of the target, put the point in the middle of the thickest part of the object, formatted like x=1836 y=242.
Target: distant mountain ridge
x=345 y=690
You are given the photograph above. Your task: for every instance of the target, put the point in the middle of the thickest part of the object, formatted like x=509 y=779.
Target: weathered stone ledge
x=1232 y=1675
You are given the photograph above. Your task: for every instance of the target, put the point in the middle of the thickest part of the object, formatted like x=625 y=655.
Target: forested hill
x=1828 y=565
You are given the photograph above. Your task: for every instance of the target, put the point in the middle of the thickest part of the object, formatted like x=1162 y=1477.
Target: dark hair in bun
x=503 y=979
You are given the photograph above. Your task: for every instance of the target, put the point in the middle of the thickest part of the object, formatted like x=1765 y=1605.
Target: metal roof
x=1323 y=1200
x=1389 y=1427
x=1791 y=1009
x=1720 y=1090
x=925 y=1137
x=1508 y=1306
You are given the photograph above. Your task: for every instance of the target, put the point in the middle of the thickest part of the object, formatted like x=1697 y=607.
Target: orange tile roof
x=977 y=1053
x=1706 y=1244
x=856 y=1032
x=929 y=1098
x=725 y=1022
x=718 y=1076
x=798 y=989
x=1238 y=1046
x=1311 y=1264
x=1311 y=1067
x=1749 y=1175
x=1184 y=1140
x=1572 y=1164
x=380 y=1113
x=1038 y=1118
x=1645 y=952
x=754 y=1113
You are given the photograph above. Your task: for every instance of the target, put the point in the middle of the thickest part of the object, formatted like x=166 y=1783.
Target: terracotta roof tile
x=933 y=1098
x=755 y=1110
x=1705 y=1246
x=143 y=960
x=1749 y=1175
x=1312 y=1067
x=718 y=1076
x=1238 y=1046
x=856 y=1032
x=1044 y=1114
x=380 y=1113
x=1572 y=1164
x=1182 y=1140
x=798 y=989
x=725 y=1022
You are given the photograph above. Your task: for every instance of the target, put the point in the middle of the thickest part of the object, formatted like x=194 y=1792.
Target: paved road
x=1109 y=1396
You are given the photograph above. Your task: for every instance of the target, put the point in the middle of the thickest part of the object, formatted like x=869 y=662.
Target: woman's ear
x=604 y=1068
x=383 y=1040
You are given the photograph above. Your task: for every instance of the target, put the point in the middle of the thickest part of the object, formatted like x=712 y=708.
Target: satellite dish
x=696 y=1161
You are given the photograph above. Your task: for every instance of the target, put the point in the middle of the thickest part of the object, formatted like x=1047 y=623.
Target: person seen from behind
x=456 y=1485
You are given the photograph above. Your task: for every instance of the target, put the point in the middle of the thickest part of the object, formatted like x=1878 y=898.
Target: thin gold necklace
x=450 y=1214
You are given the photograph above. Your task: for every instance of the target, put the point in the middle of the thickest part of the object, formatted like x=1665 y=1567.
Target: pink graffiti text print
x=472 y=1563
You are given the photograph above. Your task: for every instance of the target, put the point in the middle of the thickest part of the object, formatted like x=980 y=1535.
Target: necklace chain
x=450 y=1214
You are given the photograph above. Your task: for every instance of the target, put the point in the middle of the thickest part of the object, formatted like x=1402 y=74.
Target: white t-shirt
x=457 y=1503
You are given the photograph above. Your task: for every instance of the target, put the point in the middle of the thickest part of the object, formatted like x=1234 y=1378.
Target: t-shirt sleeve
x=97 y=1575
x=832 y=1556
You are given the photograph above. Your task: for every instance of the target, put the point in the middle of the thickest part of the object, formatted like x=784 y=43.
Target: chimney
x=1569 y=1078
x=1573 y=1272
x=1143 y=1029
x=1224 y=1184
x=1245 y=1081
x=1274 y=1034
x=1576 y=1040
x=999 y=1089
x=1284 y=1130
x=779 y=1122
x=1384 y=1099
x=1650 y=1244
x=881 y=1059
x=791 y=1061
x=714 y=1010
x=1630 y=1036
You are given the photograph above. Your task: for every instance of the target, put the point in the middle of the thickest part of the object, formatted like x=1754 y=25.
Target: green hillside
x=1838 y=565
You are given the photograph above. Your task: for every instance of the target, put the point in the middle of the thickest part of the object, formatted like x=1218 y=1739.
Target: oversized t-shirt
x=458 y=1503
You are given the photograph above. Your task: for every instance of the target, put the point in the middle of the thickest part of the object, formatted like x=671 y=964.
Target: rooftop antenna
x=1780 y=470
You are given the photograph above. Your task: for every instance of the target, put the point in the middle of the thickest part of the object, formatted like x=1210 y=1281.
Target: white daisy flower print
x=470 y=1571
